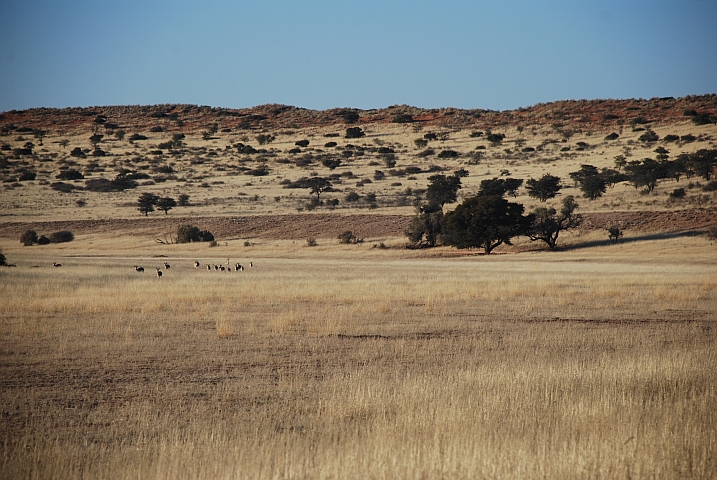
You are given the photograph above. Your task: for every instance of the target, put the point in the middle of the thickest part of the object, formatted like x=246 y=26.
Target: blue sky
x=322 y=54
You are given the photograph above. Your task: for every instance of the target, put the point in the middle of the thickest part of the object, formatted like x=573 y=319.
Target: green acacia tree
x=484 y=221
x=166 y=204
x=547 y=223
x=543 y=188
x=146 y=203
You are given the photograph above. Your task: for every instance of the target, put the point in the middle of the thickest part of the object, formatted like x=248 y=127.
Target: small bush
x=678 y=193
x=183 y=200
x=352 y=197
x=70 y=174
x=612 y=136
x=43 y=240
x=348 y=238
x=189 y=233
x=26 y=175
x=354 y=132
x=302 y=143
x=63 y=236
x=311 y=242
x=448 y=154
x=330 y=144
x=3 y=260
x=671 y=138
x=62 y=187
x=28 y=238
x=710 y=187
x=648 y=136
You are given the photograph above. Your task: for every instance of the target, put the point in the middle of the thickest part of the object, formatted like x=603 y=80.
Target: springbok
x=251 y=264
x=166 y=265
x=159 y=273
x=55 y=264
x=209 y=267
x=138 y=269
x=238 y=268
x=196 y=264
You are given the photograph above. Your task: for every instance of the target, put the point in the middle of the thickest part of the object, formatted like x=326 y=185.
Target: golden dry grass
x=338 y=362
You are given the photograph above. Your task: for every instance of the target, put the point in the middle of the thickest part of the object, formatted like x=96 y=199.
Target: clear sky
x=366 y=54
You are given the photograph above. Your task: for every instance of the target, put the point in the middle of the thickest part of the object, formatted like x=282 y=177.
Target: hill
x=82 y=164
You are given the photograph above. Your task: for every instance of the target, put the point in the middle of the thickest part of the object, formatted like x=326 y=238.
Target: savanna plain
x=366 y=360
x=361 y=363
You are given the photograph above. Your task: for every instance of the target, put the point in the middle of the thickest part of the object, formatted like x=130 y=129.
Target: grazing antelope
x=196 y=264
x=55 y=264
x=222 y=268
x=159 y=273
x=238 y=268
x=138 y=269
x=251 y=264
x=216 y=267
x=166 y=265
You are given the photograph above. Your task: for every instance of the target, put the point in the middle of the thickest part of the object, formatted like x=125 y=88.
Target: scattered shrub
x=62 y=187
x=183 y=200
x=352 y=197
x=612 y=136
x=70 y=174
x=311 y=242
x=28 y=238
x=63 y=236
x=403 y=118
x=43 y=240
x=348 y=238
x=330 y=144
x=710 y=187
x=156 y=129
x=189 y=233
x=302 y=143
x=448 y=154
x=671 y=138
x=712 y=232
x=678 y=193
x=136 y=136
x=648 y=136
x=26 y=175
x=354 y=132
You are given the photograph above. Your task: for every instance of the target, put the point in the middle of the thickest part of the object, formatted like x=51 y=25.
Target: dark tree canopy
x=544 y=188
x=146 y=203
x=354 y=132
x=166 y=204
x=425 y=227
x=591 y=183
x=485 y=222
x=500 y=187
x=443 y=189
x=318 y=185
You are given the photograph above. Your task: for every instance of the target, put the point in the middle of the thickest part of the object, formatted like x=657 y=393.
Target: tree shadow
x=640 y=238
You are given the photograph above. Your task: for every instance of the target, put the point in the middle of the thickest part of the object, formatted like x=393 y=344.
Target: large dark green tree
x=500 y=187
x=591 y=183
x=166 y=204
x=547 y=223
x=443 y=189
x=484 y=222
x=318 y=185
x=426 y=226
x=543 y=188
x=146 y=203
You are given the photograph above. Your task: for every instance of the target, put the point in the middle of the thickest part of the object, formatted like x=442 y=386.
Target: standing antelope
x=166 y=265
x=251 y=264
x=209 y=267
x=196 y=264
x=139 y=269
x=55 y=264
x=238 y=268
x=159 y=273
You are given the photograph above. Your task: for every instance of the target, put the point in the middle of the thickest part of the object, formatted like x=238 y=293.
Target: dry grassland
x=351 y=362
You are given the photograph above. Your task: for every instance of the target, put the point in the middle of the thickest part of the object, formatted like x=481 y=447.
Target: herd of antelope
x=222 y=268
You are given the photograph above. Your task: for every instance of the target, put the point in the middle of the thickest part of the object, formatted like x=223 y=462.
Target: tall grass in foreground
x=361 y=369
